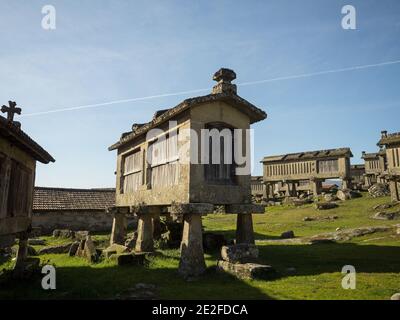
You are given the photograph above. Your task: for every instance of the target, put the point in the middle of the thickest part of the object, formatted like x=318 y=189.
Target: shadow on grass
x=328 y=258
x=104 y=281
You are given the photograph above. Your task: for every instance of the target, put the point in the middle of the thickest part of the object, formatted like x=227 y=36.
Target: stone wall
x=75 y=220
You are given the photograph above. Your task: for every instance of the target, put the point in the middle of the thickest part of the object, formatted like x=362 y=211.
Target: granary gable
x=15 y=135
x=388 y=139
x=223 y=91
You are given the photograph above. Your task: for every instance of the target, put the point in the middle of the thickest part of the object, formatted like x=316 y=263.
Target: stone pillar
x=156 y=226
x=192 y=256
x=394 y=190
x=118 y=232
x=244 y=228
x=346 y=184
x=287 y=189
x=316 y=186
x=294 y=190
x=266 y=192
x=144 y=242
x=22 y=253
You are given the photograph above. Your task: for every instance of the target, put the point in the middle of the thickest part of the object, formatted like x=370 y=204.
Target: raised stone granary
x=391 y=142
x=18 y=156
x=375 y=167
x=162 y=168
x=295 y=169
x=357 y=175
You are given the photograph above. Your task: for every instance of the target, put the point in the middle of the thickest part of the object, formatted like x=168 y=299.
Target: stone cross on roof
x=11 y=110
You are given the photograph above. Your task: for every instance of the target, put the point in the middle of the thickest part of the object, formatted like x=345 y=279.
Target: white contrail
x=298 y=76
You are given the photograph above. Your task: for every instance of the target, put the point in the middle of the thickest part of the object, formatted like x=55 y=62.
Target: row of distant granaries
x=167 y=186
x=315 y=172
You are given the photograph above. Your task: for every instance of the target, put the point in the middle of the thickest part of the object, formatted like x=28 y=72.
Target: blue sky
x=110 y=50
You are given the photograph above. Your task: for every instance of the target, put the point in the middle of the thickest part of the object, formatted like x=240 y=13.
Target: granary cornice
x=14 y=134
x=255 y=114
x=309 y=155
x=389 y=139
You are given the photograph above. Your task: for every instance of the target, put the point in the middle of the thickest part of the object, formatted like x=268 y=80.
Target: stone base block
x=240 y=253
x=244 y=208
x=115 y=249
x=191 y=208
x=247 y=270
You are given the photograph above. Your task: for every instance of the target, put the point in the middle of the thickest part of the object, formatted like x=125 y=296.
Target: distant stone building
x=296 y=169
x=357 y=174
x=155 y=176
x=392 y=144
x=257 y=188
x=74 y=209
x=375 y=167
x=18 y=156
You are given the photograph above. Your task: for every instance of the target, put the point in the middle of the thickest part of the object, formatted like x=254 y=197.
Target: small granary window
x=132 y=172
x=164 y=161
x=327 y=166
x=19 y=190
x=220 y=147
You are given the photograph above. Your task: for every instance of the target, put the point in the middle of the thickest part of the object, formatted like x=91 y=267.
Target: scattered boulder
x=386 y=215
x=213 y=241
x=89 y=251
x=36 y=242
x=62 y=248
x=73 y=249
x=80 y=235
x=329 y=197
x=247 y=270
x=347 y=194
x=287 y=235
x=325 y=205
x=115 y=249
x=384 y=206
x=379 y=190
x=63 y=233
x=129 y=259
x=239 y=253
x=396 y=296
x=321 y=241
x=320 y=218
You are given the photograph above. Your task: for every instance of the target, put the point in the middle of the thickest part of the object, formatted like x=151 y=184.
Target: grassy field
x=317 y=274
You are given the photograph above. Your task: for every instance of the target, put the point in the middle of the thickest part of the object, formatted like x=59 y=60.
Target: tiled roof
x=14 y=134
x=60 y=199
x=308 y=155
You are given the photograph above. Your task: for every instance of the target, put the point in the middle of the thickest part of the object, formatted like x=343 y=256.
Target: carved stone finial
x=224 y=78
x=384 y=133
x=11 y=110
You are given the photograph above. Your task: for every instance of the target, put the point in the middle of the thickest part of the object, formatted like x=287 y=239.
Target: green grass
x=376 y=258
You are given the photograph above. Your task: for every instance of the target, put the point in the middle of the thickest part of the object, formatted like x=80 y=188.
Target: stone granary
x=18 y=156
x=392 y=144
x=314 y=166
x=375 y=167
x=357 y=174
x=165 y=167
x=257 y=188
x=73 y=209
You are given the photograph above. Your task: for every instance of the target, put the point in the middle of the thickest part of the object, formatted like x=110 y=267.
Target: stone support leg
x=22 y=253
x=192 y=256
x=394 y=190
x=156 y=226
x=346 y=184
x=244 y=229
x=144 y=242
x=316 y=187
x=118 y=233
